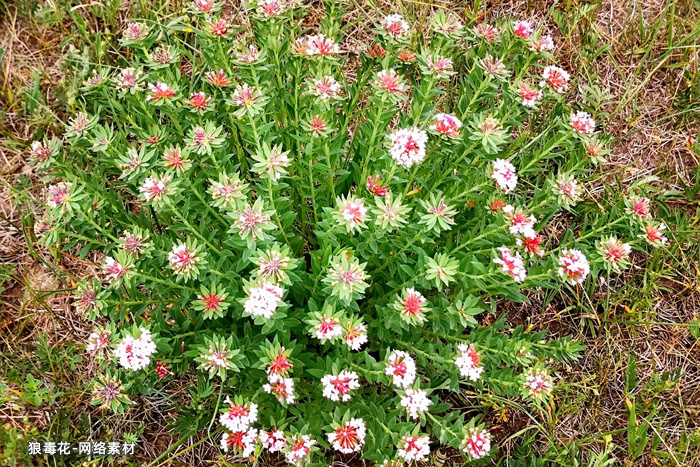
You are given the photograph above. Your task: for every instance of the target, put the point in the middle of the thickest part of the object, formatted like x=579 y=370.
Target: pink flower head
x=217 y=79
x=78 y=124
x=59 y=194
x=412 y=306
x=415 y=401
x=280 y=387
x=639 y=207
x=86 y=299
x=355 y=336
x=395 y=25
x=246 y=96
x=172 y=158
x=300 y=45
x=350 y=437
x=135 y=353
x=446 y=124
x=280 y=365
x=556 y=78
x=520 y=223
x=162 y=55
x=390 y=82
x=511 y=264
x=582 y=123
x=251 y=55
x=320 y=45
x=128 y=79
x=406 y=56
x=414 y=448
x=328 y=328
x=263 y=300
x=114 y=270
x=654 y=234
x=529 y=96
x=493 y=67
x=338 y=388
x=272 y=265
x=203 y=6
x=250 y=221
x=486 y=32
x=326 y=88
x=273 y=441
x=318 y=125
x=538 y=383
x=522 y=29
x=160 y=91
x=99 y=340
x=408 y=146
x=199 y=101
x=135 y=31
x=134 y=243
x=154 y=188
x=271 y=8
x=300 y=447
x=615 y=252
x=183 y=259
x=477 y=443
x=543 y=43
x=374 y=187
x=531 y=242
x=240 y=442
x=239 y=417
x=401 y=367
x=352 y=213
x=567 y=189
x=376 y=51
x=469 y=362
x=504 y=175
x=40 y=152
x=212 y=301
x=573 y=266
x=162 y=370
x=441 y=66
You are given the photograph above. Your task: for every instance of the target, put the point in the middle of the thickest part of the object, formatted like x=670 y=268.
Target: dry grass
x=652 y=327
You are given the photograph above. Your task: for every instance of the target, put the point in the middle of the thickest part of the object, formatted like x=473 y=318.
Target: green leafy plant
x=318 y=236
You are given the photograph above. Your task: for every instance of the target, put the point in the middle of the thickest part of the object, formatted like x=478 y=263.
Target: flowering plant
x=323 y=244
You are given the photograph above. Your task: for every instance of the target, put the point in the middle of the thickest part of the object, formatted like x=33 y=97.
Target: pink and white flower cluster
x=402 y=369
x=408 y=146
x=446 y=124
x=280 y=387
x=415 y=401
x=469 y=362
x=135 y=353
x=338 y=388
x=414 y=448
x=328 y=329
x=239 y=417
x=573 y=266
x=183 y=260
x=504 y=175
x=273 y=441
x=349 y=437
x=477 y=443
x=313 y=45
x=511 y=264
x=264 y=300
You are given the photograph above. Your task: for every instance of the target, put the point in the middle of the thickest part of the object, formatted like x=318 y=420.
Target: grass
x=634 y=399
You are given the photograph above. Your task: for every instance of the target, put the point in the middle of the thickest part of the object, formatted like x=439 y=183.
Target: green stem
x=191 y=228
